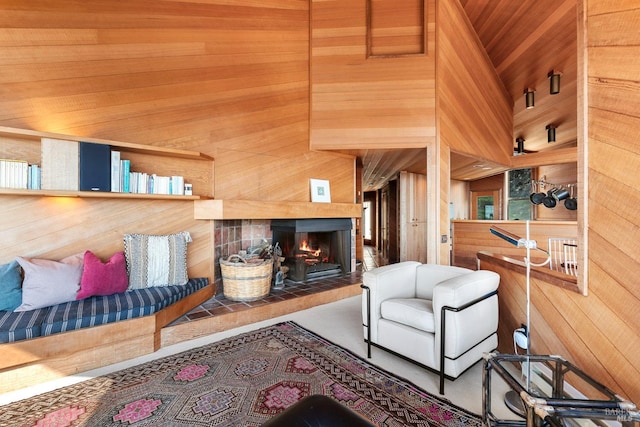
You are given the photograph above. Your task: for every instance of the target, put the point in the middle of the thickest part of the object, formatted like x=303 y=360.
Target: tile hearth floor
x=219 y=305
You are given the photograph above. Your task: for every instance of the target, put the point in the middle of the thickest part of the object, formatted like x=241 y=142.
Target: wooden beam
x=263 y=209
x=550 y=157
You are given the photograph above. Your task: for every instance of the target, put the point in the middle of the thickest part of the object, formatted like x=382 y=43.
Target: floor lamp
x=512 y=398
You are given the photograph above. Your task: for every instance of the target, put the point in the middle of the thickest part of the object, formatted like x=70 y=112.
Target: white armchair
x=433 y=315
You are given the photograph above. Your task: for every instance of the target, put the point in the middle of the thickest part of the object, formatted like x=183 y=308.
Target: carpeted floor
x=239 y=381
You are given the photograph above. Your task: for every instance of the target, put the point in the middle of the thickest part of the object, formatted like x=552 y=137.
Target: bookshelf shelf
x=95 y=194
x=36 y=136
x=29 y=145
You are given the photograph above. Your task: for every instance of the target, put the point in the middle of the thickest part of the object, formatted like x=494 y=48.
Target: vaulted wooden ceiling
x=525 y=40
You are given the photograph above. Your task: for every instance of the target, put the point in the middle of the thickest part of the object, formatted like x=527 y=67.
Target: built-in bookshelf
x=57 y=157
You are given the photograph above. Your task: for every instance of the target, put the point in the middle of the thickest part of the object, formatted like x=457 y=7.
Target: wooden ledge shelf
x=539 y=274
x=33 y=135
x=94 y=194
x=256 y=209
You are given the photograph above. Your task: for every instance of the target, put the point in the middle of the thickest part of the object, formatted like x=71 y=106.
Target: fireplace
x=314 y=248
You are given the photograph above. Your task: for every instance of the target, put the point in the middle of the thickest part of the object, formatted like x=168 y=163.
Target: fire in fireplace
x=314 y=248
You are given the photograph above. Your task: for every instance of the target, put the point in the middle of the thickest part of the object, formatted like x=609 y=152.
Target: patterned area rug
x=240 y=381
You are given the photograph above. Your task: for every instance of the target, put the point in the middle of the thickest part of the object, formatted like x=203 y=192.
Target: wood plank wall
x=227 y=78
x=474 y=110
x=360 y=102
x=600 y=332
x=56 y=227
x=609 y=320
x=221 y=77
x=469 y=237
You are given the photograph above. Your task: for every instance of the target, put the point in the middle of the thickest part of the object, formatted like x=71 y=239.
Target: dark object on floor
x=316 y=411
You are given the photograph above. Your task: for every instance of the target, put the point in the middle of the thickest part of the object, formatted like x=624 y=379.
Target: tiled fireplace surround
x=219 y=313
x=232 y=236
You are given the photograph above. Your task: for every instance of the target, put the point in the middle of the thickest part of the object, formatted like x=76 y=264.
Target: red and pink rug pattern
x=240 y=381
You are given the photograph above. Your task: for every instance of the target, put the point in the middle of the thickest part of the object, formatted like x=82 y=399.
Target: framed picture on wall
x=320 y=191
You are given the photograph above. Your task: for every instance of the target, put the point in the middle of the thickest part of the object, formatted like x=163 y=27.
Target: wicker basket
x=246 y=280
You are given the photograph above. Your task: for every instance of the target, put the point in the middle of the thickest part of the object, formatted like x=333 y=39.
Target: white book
x=164 y=184
x=144 y=185
x=24 y=175
x=115 y=171
x=3 y=173
x=10 y=174
x=177 y=185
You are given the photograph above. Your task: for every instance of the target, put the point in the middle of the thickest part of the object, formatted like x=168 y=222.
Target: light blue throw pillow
x=10 y=286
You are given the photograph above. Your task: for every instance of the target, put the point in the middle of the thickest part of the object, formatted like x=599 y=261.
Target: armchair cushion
x=414 y=312
x=466 y=328
x=402 y=310
x=430 y=275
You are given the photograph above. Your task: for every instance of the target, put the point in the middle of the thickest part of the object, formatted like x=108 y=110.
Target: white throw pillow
x=48 y=282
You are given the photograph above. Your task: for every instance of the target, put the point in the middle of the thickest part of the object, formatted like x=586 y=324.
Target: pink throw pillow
x=100 y=278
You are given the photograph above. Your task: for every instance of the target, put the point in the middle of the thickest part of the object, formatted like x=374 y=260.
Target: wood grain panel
x=47 y=358
x=56 y=227
x=394 y=32
x=613 y=158
x=474 y=114
x=226 y=78
x=475 y=111
x=599 y=332
x=526 y=40
x=469 y=237
x=370 y=103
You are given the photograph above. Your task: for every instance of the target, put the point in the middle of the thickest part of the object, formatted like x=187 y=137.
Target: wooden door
x=389 y=223
x=413 y=217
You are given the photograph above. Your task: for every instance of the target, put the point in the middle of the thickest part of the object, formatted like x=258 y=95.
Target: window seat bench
x=76 y=336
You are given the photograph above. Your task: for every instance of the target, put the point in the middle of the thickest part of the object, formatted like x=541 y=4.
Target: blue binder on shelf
x=95 y=167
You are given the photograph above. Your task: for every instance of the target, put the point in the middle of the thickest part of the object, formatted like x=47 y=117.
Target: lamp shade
x=551 y=133
x=554 y=82
x=529 y=98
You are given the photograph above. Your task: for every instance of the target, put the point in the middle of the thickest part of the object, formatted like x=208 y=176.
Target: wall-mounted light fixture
x=529 y=98
x=554 y=82
x=520 y=145
x=554 y=196
x=551 y=133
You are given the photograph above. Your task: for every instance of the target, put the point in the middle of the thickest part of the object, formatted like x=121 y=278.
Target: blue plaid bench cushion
x=21 y=325
x=98 y=310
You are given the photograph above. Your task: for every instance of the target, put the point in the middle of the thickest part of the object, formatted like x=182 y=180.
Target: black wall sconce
x=551 y=133
x=520 y=145
x=554 y=82
x=529 y=98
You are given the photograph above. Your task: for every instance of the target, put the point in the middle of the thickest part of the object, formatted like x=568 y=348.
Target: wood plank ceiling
x=525 y=40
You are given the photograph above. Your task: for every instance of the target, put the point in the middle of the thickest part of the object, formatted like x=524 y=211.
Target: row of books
x=123 y=180
x=20 y=174
x=140 y=182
